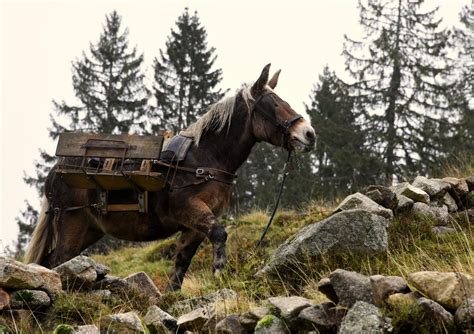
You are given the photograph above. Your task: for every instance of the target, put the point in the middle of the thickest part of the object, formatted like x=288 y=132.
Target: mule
x=223 y=139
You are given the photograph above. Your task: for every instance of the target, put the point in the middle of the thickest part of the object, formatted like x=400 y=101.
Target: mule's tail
x=43 y=236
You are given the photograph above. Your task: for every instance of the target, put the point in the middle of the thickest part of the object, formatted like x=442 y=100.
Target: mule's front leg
x=218 y=237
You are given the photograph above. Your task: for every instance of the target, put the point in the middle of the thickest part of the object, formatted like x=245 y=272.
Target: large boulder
x=362 y=202
x=414 y=193
x=16 y=275
x=364 y=318
x=352 y=231
x=382 y=195
x=434 y=187
x=439 y=215
x=351 y=287
x=450 y=289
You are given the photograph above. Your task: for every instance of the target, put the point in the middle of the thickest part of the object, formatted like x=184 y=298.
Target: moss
x=63 y=329
x=265 y=322
x=24 y=295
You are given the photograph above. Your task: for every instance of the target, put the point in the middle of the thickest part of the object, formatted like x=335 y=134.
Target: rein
x=285 y=174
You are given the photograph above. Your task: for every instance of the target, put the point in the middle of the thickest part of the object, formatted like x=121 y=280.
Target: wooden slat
x=111 y=146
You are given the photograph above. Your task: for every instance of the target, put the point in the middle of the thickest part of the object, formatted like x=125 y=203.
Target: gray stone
x=29 y=299
x=101 y=270
x=351 y=287
x=325 y=287
x=249 y=319
x=270 y=324
x=434 y=187
x=384 y=286
x=405 y=204
x=208 y=300
x=322 y=317
x=142 y=282
x=439 y=215
x=289 y=307
x=195 y=320
x=231 y=325
x=382 y=195
x=158 y=321
x=115 y=284
x=104 y=294
x=449 y=201
x=469 y=200
x=459 y=186
x=79 y=272
x=440 y=230
x=362 y=202
x=464 y=316
x=16 y=275
x=437 y=315
x=121 y=323
x=86 y=329
x=347 y=232
x=364 y=318
x=411 y=192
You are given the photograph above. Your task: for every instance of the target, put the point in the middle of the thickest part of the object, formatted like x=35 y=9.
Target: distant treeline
x=407 y=109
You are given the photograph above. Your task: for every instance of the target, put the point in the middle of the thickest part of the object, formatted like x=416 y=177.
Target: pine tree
x=112 y=98
x=184 y=79
x=401 y=74
x=344 y=164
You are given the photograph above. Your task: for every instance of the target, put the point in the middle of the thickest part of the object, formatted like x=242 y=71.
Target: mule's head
x=274 y=121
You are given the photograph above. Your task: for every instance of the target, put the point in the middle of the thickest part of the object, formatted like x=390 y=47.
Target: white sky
x=39 y=39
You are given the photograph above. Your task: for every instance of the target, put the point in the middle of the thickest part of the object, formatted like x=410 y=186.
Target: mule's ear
x=259 y=85
x=274 y=80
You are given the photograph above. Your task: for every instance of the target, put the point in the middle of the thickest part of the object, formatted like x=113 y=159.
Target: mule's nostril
x=310 y=135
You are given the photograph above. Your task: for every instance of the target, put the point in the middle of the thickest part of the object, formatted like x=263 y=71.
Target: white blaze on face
x=303 y=137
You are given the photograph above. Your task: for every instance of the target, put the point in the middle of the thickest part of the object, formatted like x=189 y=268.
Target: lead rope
x=285 y=174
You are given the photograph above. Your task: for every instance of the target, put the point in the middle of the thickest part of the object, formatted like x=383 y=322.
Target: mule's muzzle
x=303 y=139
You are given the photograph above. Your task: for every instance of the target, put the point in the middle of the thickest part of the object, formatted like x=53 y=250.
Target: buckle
x=200 y=171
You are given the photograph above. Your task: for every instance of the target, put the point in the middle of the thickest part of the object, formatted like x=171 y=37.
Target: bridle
x=264 y=104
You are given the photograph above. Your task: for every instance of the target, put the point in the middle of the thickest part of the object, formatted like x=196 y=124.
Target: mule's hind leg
x=75 y=234
x=188 y=243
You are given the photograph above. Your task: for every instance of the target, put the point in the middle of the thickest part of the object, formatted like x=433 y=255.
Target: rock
x=101 y=270
x=449 y=201
x=350 y=287
x=322 y=318
x=86 y=329
x=469 y=200
x=438 y=317
x=459 y=186
x=249 y=319
x=440 y=215
x=16 y=275
x=195 y=320
x=115 y=284
x=436 y=188
x=404 y=204
x=450 y=289
x=289 y=307
x=29 y=299
x=400 y=300
x=362 y=202
x=77 y=273
x=440 y=230
x=271 y=325
x=230 y=325
x=464 y=316
x=158 y=321
x=364 y=318
x=122 y=323
x=144 y=284
x=219 y=296
x=347 y=232
x=384 y=286
x=470 y=182
x=382 y=195
x=325 y=286
x=411 y=192
x=104 y=294
x=4 y=299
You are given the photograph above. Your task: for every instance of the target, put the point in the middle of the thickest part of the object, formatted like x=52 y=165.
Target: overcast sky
x=39 y=39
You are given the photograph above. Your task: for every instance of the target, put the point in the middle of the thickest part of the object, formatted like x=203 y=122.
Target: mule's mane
x=218 y=116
